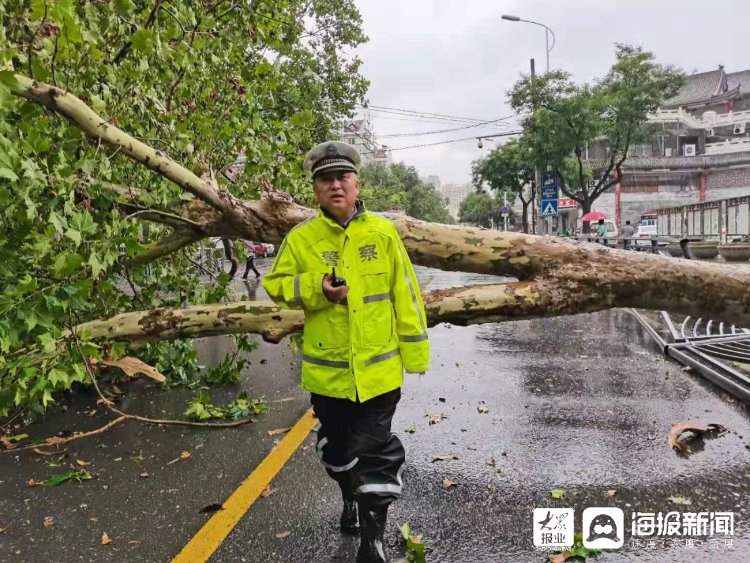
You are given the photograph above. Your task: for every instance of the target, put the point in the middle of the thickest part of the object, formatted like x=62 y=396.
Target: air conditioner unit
x=688 y=150
x=667 y=151
x=739 y=128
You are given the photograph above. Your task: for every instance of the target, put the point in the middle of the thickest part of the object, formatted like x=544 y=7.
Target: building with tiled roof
x=700 y=149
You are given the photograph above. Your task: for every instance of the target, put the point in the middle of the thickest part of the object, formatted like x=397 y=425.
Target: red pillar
x=703 y=186
x=618 y=206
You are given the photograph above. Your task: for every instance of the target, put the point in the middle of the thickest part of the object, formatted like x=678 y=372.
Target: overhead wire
x=422 y=113
x=421 y=133
x=506 y=134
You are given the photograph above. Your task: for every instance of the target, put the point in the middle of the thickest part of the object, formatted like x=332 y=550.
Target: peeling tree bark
x=558 y=276
x=460 y=306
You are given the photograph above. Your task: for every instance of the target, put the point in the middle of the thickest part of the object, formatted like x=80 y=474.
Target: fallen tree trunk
x=458 y=306
x=568 y=277
x=461 y=306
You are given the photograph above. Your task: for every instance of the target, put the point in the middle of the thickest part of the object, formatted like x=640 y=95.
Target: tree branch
x=168 y=245
x=71 y=107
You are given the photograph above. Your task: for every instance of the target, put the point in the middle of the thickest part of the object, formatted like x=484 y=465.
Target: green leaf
x=679 y=500
x=124 y=7
x=557 y=493
x=84 y=222
x=143 y=40
x=8 y=174
x=96 y=265
x=58 y=222
x=97 y=104
x=74 y=235
x=48 y=343
x=61 y=478
x=67 y=263
x=56 y=376
x=8 y=78
x=415 y=549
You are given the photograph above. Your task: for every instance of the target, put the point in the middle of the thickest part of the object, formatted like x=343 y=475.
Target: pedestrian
x=361 y=331
x=250 y=263
x=627 y=231
x=601 y=232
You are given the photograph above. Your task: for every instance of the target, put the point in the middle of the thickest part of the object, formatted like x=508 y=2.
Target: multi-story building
x=360 y=134
x=454 y=194
x=434 y=181
x=699 y=151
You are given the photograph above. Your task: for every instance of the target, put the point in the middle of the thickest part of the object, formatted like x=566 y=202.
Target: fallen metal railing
x=707 y=352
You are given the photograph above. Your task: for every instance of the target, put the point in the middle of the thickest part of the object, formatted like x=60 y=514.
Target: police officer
x=363 y=327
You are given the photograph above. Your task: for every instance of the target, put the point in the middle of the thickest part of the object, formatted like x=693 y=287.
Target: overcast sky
x=457 y=57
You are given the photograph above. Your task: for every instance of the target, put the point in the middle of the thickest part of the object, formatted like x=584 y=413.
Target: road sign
x=549 y=185
x=504 y=212
x=549 y=207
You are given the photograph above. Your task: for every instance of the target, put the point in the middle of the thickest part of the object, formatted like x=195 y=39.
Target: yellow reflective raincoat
x=361 y=347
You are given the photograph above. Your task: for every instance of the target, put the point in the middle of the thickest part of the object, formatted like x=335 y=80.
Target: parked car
x=264 y=249
x=644 y=232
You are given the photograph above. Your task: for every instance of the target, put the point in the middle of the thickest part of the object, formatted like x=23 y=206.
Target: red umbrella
x=594 y=216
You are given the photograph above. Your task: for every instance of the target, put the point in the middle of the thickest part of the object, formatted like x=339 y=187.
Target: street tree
x=481 y=209
x=236 y=91
x=565 y=119
x=398 y=185
x=509 y=168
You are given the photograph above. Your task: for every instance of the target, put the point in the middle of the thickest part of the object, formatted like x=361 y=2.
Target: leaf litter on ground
x=60 y=478
x=684 y=432
x=437 y=417
x=447 y=457
x=578 y=550
x=415 y=548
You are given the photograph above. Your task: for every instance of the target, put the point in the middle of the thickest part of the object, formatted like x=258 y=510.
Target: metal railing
x=708 y=120
x=741 y=144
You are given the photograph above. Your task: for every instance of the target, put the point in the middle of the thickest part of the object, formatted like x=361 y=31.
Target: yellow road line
x=215 y=531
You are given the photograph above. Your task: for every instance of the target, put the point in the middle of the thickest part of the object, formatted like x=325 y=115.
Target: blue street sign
x=504 y=212
x=549 y=186
x=549 y=207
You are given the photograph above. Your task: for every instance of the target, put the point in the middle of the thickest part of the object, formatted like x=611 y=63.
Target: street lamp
x=547 y=32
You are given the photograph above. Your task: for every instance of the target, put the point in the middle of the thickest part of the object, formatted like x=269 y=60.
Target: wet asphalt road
x=581 y=403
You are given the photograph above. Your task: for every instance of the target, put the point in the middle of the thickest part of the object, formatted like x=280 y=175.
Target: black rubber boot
x=349 y=522
x=372 y=521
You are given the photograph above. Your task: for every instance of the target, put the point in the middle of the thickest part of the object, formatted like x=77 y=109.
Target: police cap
x=332 y=156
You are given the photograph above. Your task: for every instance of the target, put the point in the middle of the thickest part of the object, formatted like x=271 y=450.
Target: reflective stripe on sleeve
x=411 y=288
x=377 y=297
x=382 y=357
x=278 y=257
x=326 y=363
x=417 y=338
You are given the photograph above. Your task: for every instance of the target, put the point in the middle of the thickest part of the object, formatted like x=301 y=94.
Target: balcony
x=708 y=120
x=729 y=146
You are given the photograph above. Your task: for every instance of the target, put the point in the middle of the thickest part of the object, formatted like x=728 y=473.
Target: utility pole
x=505 y=217
x=536 y=215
